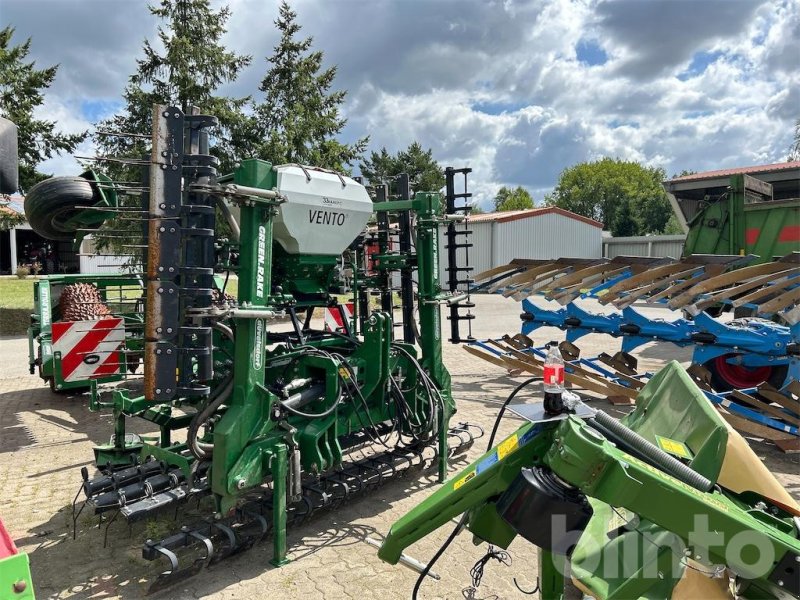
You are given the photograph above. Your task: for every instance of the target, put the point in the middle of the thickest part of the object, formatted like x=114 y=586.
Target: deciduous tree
x=512 y=199
x=424 y=172
x=600 y=189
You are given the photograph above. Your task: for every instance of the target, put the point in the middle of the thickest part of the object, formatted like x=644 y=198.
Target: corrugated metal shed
x=546 y=233
x=773 y=168
x=106 y=264
x=644 y=245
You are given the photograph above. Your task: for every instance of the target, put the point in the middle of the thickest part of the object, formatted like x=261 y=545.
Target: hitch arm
x=487 y=477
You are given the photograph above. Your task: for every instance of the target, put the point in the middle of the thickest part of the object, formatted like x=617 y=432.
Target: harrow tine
x=455 y=449
x=206 y=541
x=386 y=463
x=173 y=576
x=296 y=517
x=467 y=425
x=324 y=496
x=257 y=518
x=338 y=499
x=375 y=481
x=105 y=531
x=76 y=516
x=229 y=536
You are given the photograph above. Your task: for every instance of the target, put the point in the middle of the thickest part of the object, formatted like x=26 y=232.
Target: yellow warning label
x=673 y=447
x=344 y=373
x=464 y=480
x=507 y=447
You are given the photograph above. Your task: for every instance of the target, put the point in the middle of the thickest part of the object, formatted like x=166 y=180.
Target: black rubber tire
x=9 y=158
x=50 y=203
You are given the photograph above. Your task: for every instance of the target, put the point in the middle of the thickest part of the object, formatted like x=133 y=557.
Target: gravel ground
x=45 y=439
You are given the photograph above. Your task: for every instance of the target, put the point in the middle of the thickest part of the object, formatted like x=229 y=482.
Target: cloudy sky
x=517 y=90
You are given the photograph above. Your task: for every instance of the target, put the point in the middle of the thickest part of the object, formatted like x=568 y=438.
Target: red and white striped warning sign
x=333 y=317
x=89 y=349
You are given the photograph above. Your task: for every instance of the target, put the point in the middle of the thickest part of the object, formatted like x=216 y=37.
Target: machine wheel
x=52 y=202
x=726 y=377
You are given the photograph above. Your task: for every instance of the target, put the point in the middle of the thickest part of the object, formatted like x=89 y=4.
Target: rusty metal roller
x=82 y=302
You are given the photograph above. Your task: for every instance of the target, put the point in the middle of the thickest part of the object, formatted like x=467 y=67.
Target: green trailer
x=85 y=328
x=753 y=210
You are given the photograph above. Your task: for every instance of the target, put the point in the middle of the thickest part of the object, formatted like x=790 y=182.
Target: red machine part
x=7 y=547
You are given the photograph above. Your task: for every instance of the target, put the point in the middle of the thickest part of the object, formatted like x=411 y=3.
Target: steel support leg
x=119 y=430
x=279 y=474
x=551 y=575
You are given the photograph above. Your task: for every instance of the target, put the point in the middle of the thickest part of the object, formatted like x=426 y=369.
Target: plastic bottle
x=553 y=369
x=553 y=379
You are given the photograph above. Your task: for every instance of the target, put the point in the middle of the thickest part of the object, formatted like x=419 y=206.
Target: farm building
x=547 y=232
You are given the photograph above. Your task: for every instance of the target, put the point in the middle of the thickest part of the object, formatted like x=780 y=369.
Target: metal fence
x=644 y=245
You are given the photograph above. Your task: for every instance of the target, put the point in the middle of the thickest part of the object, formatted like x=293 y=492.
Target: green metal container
x=737 y=213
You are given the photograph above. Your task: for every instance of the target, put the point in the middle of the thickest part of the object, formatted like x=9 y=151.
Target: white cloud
x=493 y=85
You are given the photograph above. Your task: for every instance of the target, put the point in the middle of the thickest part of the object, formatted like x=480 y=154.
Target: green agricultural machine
x=669 y=502
x=740 y=214
x=255 y=408
x=85 y=329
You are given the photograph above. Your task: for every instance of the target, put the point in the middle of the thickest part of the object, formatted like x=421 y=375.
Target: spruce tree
x=188 y=72
x=298 y=119
x=22 y=88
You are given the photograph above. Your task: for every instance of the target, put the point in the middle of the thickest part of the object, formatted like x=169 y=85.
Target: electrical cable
x=476 y=572
x=462 y=522
x=225 y=284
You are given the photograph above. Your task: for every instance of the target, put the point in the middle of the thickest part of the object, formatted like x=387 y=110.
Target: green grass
x=16 y=293
x=16 y=304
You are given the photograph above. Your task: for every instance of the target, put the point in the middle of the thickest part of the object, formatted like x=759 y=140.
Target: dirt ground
x=45 y=439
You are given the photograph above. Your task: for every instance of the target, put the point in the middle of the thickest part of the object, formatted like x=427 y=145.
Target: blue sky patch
x=615 y=123
x=698 y=65
x=590 y=53
x=496 y=108
x=96 y=110
x=696 y=114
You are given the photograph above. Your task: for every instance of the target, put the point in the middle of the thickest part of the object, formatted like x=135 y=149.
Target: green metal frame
x=15 y=577
x=731 y=225
x=249 y=446
x=46 y=291
x=613 y=478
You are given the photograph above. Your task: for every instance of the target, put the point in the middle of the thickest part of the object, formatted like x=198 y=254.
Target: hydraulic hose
x=653 y=453
x=201 y=450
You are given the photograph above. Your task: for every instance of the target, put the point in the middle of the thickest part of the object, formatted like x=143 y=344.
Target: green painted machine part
x=15 y=572
x=274 y=409
x=747 y=215
x=122 y=295
x=651 y=534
